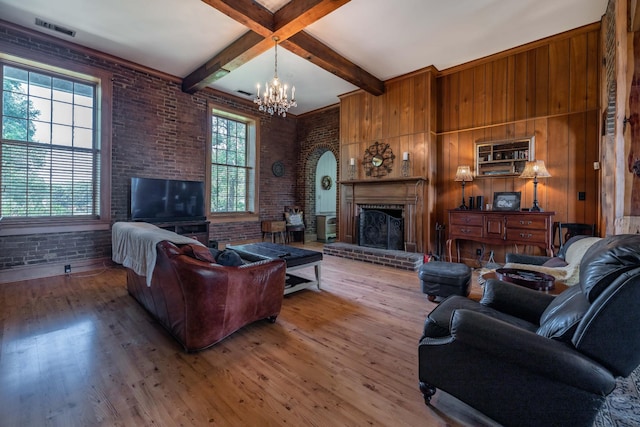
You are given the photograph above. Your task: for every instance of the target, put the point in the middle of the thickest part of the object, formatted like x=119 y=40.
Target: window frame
x=22 y=58
x=253 y=162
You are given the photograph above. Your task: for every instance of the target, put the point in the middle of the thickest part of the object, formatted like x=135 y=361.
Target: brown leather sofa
x=200 y=302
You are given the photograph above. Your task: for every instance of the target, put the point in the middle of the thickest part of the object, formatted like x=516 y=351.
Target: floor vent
x=54 y=27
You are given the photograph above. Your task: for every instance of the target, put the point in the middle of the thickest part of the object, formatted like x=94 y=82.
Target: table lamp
x=535 y=169
x=463 y=174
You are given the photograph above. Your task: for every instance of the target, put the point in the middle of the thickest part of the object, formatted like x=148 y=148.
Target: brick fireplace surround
x=397 y=259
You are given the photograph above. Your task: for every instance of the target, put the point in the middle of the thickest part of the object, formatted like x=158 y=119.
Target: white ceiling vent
x=54 y=27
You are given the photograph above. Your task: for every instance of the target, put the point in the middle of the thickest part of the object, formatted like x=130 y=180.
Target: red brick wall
x=277 y=192
x=317 y=133
x=158 y=131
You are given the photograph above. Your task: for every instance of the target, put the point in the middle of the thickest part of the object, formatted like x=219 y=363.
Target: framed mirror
x=378 y=160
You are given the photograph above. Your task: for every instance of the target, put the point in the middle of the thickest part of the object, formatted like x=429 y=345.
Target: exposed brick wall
x=609 y=59
x=317 y=133
x=157 y=131
x=277 y=192
x=55 y=247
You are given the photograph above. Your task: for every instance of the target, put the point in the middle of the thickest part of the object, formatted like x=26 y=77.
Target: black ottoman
x=441 y=279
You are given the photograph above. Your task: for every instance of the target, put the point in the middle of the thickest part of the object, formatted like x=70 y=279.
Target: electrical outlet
x=67 y=269
x=478 y=252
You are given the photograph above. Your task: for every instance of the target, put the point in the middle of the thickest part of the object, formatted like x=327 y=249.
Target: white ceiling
x=387 y=38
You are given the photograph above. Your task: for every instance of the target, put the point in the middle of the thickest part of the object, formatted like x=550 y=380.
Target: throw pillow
x=555 y=262
x=214 y=253
x=294 y=219
x=198 y=252
x=229 y=258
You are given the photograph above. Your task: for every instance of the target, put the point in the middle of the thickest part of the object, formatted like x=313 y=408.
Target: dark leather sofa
x=201 y=302
x=526 y=358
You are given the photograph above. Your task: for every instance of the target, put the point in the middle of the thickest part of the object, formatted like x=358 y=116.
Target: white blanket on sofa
x=569 y=274
x=133 y=245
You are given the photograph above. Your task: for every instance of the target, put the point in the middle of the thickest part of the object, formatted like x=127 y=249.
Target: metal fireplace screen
x=381 y=228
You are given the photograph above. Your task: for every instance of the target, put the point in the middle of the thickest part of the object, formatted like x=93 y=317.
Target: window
x=48 y=146
x=232 y=163
x=51 y=149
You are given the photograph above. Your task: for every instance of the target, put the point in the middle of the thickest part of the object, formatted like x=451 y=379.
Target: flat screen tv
x=159 y=200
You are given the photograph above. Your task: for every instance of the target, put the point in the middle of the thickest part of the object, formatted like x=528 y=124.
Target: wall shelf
x=503 y=158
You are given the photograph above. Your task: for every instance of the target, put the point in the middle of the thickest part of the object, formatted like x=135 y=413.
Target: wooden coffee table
x=527 y=278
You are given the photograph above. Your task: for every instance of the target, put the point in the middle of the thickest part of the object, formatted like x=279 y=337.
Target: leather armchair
x=527 y=358
x=200 y=302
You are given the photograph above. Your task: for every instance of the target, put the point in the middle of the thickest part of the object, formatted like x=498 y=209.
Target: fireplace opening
x=381 y=227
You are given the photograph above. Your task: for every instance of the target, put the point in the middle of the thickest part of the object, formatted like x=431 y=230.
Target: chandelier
x=274 y=98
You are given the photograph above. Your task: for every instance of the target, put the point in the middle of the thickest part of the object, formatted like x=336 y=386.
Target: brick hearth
x=396 y=259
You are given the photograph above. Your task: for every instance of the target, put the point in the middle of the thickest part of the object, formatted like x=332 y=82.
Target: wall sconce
x=352 y=169
x=463 y=174
x=535 y=169
x=405 y=163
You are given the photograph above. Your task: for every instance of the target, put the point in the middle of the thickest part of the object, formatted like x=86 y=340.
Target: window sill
x=233 y=217
x=11 y=227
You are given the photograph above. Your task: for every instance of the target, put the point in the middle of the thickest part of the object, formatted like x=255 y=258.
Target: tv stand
x=198 y=230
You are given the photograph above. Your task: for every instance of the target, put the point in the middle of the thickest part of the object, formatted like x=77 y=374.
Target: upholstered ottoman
x=441 y=279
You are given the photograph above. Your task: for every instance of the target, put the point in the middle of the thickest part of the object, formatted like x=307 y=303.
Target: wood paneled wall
x=403 y=117
x=549 y=89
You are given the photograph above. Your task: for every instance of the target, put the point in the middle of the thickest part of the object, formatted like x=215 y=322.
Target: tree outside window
x=50 y=157
x=231 y=164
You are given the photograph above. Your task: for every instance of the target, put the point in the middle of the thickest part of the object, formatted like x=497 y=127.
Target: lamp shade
x=535 y=169
x=464 y=174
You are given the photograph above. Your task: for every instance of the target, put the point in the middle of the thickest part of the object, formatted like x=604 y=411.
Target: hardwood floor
x=79 y=351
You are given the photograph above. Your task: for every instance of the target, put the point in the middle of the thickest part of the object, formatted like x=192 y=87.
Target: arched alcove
x=309 y=180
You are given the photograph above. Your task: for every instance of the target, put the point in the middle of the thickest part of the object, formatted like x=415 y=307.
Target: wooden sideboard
x=501 y=228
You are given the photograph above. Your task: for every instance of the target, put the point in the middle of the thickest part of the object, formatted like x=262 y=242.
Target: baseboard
x=30 y=272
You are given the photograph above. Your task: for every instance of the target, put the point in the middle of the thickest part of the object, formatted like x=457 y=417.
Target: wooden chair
x=567 y=230
x=294 y=218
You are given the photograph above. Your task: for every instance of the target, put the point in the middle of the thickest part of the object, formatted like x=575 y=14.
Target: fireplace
x=401 y=202
x=381 y=227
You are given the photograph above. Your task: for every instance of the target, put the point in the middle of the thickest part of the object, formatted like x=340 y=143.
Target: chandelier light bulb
x=275 y=98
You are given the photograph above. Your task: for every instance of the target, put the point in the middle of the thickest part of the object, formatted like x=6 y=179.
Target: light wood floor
x=79 y=351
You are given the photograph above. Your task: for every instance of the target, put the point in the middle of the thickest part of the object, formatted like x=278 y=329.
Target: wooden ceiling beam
x=291 y=19
x=251 y=14
x=307 y=47
x=299 y=14
x=287 y=22
x=247 y=47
